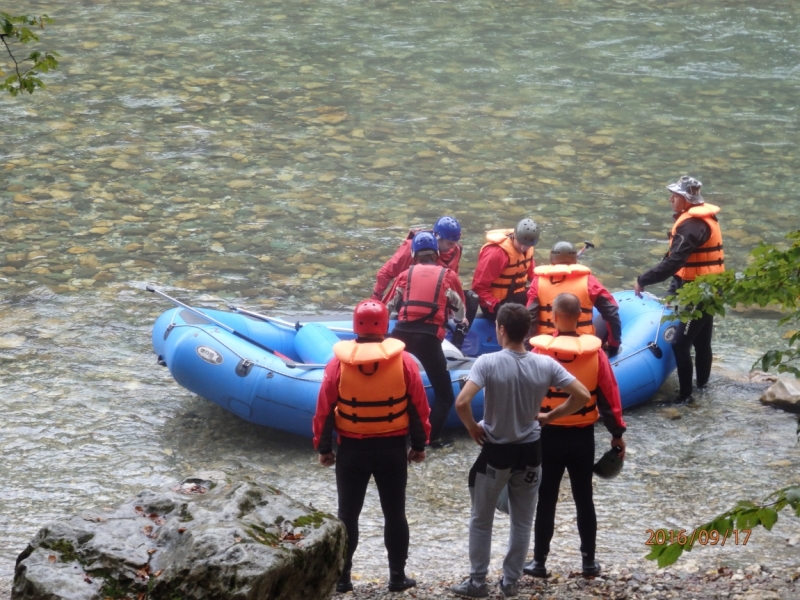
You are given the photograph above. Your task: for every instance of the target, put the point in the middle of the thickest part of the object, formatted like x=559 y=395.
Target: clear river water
x=274 y=154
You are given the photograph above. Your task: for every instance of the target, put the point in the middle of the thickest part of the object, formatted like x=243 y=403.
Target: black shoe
x=342 y=586
x=439 y=444
x=535 y=568
x=683 y=399
x=591 y=568
x=398 y=584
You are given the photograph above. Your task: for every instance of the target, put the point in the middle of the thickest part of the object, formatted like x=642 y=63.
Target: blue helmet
x=424 y=240
x=447 y=228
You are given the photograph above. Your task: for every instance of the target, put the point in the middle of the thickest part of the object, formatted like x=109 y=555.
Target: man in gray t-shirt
x=515 y=382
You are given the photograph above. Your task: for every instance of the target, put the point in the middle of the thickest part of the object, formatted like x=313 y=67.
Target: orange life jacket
x=708 y=258
x=372 y=388
x=424 y=303
x=578 y=355
x=560 y=279
x=514 y=277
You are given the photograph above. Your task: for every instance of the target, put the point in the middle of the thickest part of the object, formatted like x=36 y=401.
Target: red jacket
x=609 y=402
x=491 y=262
x=402 y=260
x=419 y=410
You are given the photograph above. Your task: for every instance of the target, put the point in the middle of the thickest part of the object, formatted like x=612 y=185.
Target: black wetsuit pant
x=519 y=298
x=570 y=448
x=427 y=349
x=385 y=459
x=696 y=333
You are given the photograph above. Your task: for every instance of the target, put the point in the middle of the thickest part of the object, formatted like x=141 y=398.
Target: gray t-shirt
x=516 y=383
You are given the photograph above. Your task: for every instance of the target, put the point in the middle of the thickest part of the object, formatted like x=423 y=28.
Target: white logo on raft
x=209 y=355
x=669 y=333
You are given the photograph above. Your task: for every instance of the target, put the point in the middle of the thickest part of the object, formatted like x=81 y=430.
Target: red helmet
x=370 y=318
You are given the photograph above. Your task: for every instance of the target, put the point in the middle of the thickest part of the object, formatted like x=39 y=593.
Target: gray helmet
x=527 y=232
x=689 y=188
x=609 y=465
x=563 y=253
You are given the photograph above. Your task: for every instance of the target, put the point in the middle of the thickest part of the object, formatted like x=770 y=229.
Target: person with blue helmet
x=425 y=295
x=446 y=231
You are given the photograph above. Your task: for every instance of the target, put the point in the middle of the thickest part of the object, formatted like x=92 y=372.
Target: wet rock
x=784 y=393
x=206 y=537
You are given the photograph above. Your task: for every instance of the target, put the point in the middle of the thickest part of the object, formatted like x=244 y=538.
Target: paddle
x=289 y=363
x=295 y=326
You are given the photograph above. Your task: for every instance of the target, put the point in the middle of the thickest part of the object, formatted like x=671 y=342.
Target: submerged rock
x=784 y=393
x=204 y=538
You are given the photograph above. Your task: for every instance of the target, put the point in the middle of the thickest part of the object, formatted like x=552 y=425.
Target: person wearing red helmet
x=447 y=232
x=424 y=297
x=372 y=396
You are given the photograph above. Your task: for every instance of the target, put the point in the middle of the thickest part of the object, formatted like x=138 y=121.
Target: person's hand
x=416 y=456
x=611 y=351
x=638 y=289
x=376 y=296
x=478 y=434
x=328 y=459
x=619 y=442
x=465 y=323
x=543 y=418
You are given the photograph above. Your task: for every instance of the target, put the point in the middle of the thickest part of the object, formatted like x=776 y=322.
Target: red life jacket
x=424 y=304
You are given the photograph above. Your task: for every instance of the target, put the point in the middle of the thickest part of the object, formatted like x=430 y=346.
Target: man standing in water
x=515 y=383
x=372 y=395
x=568 y=442
x=695 y=249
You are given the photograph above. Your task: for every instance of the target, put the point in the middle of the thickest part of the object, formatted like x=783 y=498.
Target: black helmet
x=563 y=253
x=610 y=464
x=527 y=232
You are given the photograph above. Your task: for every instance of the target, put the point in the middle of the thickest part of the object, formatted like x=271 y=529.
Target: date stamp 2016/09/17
x=659 y=537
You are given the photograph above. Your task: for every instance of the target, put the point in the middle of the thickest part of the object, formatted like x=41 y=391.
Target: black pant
x=697 y=333
x=385 y=459
x=518 y=298
x=428 y=350
x=570 y=448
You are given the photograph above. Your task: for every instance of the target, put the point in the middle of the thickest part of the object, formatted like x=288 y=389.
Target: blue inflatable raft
x=268 y=371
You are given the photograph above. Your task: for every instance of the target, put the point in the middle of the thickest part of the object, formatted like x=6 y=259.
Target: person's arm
x=393 y=305
x=533 y=306
x=609 y=309
x=419 y=427
x=579 y=397
x=491 y=262
x=323 y=422
x=690 y=235
x=464 y=410
x=455 y=298
x=531 y=267
x=399 y=262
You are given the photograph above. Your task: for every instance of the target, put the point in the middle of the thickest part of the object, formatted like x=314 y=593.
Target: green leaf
x=656 y=551
x=670 y=555
x=768 y=517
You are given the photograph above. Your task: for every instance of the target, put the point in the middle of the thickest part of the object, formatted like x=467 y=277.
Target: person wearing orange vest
x=568 y=442
x=563 y=274
x=695 y=249
x=372 y=396
x=505 y=266
x=425 y=295
x=447 y=232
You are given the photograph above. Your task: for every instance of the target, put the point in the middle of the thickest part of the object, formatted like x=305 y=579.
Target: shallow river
x=275 y=154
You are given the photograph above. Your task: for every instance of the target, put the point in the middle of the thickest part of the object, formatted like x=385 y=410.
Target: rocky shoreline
x=684 y=581
x=753 y=583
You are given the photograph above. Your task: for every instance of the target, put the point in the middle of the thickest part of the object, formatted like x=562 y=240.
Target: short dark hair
x=426 y=257
x=568 y=305
x=516 y=319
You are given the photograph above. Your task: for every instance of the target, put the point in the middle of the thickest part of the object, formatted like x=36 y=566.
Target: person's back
x=515 y=383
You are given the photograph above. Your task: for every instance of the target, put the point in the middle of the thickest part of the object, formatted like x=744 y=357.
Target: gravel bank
x=754 y=583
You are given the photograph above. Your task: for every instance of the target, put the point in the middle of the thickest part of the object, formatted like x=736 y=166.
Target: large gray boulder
x=784 y=393
x=206 y=538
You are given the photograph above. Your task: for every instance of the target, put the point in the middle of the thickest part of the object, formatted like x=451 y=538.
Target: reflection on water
x=278 y=152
